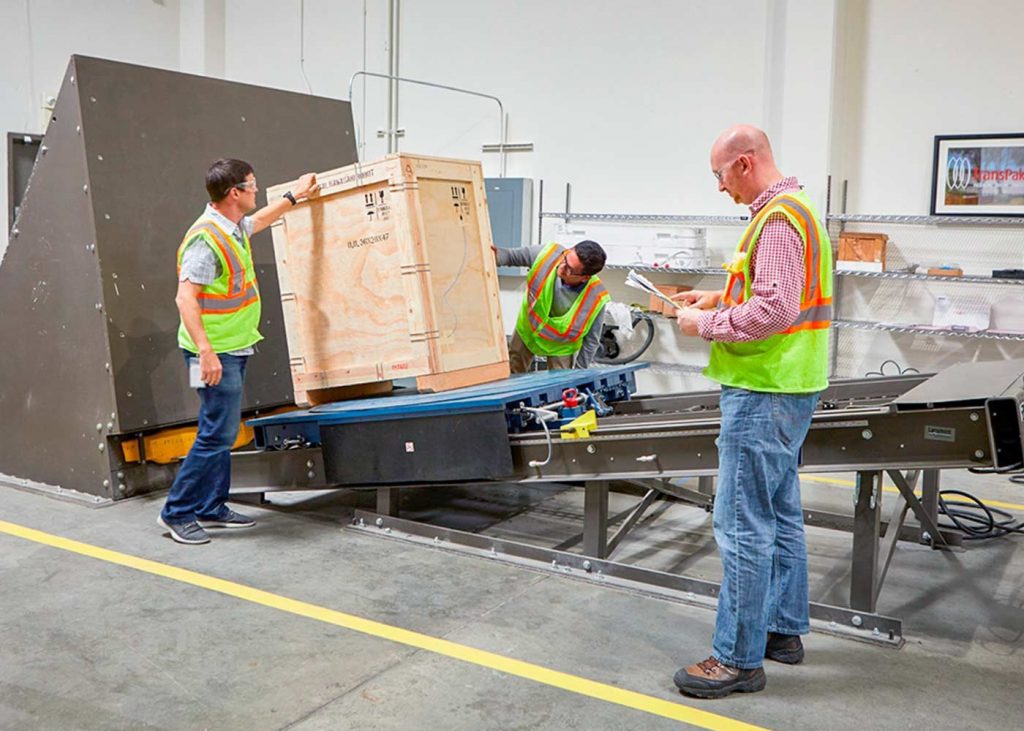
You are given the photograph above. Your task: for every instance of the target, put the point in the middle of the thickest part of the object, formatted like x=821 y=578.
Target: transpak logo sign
x=994 y=175
x=959 y=171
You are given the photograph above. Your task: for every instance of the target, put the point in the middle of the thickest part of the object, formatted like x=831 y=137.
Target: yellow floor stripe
x=537 y=673
x=955 y=501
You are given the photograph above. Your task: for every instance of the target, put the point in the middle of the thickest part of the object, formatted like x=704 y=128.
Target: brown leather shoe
x=788 y=649
x=712 y=679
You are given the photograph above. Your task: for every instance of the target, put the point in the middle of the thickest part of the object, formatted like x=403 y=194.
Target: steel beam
x=886 y=631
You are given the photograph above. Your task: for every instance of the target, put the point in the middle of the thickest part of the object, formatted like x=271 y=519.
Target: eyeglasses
x=720 y=173
x=247 y=185
x=569 y=269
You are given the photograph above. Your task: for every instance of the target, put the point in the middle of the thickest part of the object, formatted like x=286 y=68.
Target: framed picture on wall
x=978 y=175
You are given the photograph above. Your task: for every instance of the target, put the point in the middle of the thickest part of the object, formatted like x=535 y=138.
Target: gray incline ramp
x=87 y=316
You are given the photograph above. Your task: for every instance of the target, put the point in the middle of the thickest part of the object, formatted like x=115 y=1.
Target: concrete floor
x=88 y=644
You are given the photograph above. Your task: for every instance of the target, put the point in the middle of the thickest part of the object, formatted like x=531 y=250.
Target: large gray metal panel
x=149 y=137
x=967 y=384
x=55 y=389
x=88 y=325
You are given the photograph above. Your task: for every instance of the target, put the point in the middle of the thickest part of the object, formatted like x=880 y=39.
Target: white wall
x=912 y=70
x=908 y=70
x=622 y=100
x=38 y=36
x=621 y=104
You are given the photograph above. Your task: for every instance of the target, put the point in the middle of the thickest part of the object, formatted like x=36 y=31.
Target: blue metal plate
x=529 y=389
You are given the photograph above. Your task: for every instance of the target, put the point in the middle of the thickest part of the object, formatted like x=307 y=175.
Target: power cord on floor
x=900 y=370
x=976 y=520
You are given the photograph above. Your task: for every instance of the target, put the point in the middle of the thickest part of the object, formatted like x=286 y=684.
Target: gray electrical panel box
x=510 y=202
x=21 y=157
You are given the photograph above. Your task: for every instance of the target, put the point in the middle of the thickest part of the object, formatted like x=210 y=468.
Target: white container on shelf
x=638 y=244
x=966 y=313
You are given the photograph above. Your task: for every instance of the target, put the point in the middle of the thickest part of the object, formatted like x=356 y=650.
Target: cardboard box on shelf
x=945 y=272
x=656 y=305
x=856 y=248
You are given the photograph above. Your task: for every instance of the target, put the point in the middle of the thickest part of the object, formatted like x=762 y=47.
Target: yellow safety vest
x=231 y=304
x=546 y=334
x=796 y=359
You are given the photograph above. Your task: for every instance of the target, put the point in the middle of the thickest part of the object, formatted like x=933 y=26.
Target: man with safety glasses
x=219 y=303
x=769 y=334
x=561 y=315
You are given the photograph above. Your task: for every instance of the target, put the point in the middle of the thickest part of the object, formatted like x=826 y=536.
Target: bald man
x=769 y=332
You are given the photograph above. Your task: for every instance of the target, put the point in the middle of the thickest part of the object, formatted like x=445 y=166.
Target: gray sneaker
x=228 y=519
x=188 y=532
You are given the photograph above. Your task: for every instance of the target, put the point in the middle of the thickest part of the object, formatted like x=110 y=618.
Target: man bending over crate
x=560 y=318
x=219 y=303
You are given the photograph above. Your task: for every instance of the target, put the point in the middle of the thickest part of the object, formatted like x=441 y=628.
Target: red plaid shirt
x=777 y=274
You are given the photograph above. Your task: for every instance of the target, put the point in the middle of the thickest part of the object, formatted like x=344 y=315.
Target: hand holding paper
x=701 y=299
x=639 y=281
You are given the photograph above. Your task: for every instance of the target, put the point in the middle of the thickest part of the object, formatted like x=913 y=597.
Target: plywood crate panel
x=388 y=273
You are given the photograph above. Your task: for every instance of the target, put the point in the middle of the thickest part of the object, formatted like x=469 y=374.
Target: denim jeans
x=200 y=489
x=759 y=524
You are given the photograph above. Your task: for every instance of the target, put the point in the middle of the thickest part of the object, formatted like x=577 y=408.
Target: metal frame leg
x=387 y=501
x=866 y=526
x=595 y=518
x=930 y=503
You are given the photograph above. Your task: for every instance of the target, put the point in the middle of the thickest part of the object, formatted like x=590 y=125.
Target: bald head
x=741 y=139
x=743 y=163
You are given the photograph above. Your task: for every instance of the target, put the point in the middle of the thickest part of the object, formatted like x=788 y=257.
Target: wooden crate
x=388 y=273
x=862 y=247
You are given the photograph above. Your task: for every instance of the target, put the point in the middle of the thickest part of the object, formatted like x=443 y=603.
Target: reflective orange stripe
x=812 y=237
x=813 y=316
x=545 y=268
x=236 y=270
x=225 y=304
x=596 y=292
x=735 y=292
x=541 y=274
x=736 y=282
x=814 y=325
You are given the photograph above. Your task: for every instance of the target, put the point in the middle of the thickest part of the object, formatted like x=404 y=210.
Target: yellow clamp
x=581 y=426
x=735 y=266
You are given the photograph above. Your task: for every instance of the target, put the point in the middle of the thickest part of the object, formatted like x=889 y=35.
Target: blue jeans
x=759 y=524
x=200 y=489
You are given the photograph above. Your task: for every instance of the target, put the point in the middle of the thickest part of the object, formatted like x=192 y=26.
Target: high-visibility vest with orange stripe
x=231 y=304
x=544 y=333
x=796 y=359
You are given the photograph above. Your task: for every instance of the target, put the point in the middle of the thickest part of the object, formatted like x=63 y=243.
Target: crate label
x=368 y=240
x=376 y=205
x=343 y=179
x=940 y=433
x=460 y=199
